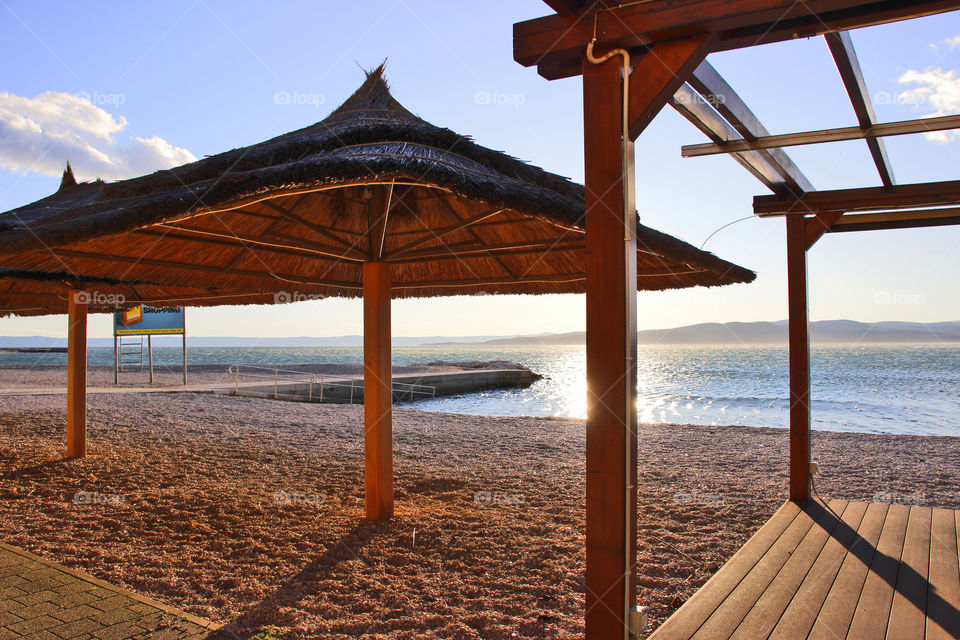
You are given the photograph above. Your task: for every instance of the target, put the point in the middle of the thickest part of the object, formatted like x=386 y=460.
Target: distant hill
x=28 y=342
x=823 y=332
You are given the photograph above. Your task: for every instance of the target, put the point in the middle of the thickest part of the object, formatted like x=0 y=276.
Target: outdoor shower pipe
x=625 y=187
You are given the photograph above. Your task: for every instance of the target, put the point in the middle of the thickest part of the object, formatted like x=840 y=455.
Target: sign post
x=148 y=321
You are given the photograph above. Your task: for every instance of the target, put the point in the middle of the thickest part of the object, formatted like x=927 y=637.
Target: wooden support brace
x=76 y=377
x=659 y=73
x=818 y=225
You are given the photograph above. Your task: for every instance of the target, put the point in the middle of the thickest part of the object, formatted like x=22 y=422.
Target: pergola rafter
x=844 y=54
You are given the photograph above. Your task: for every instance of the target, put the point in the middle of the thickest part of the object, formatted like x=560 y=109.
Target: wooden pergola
x=636 y=58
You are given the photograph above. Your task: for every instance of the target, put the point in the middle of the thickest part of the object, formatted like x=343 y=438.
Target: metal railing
x=278 y=375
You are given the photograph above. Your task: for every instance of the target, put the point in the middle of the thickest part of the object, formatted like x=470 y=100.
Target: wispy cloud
x=939 y=90
x=40 y=134
x=954 y=42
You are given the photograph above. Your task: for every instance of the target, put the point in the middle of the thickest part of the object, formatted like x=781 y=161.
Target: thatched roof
x=32 y=293
x=302 y=212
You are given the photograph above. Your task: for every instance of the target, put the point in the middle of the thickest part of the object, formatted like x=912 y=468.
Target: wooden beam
x=379 y=217
x=563 y=7
x=320 y=229
x=897 y=220
x=658 y=74
x=473 y=249
x=901 y=196
x=799 y=332
x=76 y=377
x=728 y=103
x=611 y=439
x=440 y=233
x=307 y=248
x=190 y=266
x=377 y=392
x=820 y=136
x=559 y=39
x=451 y=209
x=695 y=108
x=539 y=278
x=844 y=54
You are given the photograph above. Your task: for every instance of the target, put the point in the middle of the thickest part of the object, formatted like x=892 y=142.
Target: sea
x=896 y=388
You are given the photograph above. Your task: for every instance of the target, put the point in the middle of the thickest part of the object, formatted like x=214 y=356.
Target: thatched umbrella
x=370 y=201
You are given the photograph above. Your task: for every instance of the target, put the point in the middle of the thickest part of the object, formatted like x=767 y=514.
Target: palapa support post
x=611 y=348
x=377 y=397
x=799 y=358
x=377 y=369
x=76 y=378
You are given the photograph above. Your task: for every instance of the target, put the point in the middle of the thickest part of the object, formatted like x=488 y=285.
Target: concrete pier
x=406 y=388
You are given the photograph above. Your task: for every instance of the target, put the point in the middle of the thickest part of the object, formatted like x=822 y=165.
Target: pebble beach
x=248 y=512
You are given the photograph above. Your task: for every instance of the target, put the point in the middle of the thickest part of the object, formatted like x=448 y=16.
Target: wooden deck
x=878 y=571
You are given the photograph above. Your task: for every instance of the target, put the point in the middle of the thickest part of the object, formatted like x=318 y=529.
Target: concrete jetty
x=411 y=387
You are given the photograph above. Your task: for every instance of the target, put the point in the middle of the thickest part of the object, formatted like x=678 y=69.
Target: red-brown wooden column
x=76 y=379
x=377 y=397
x=799 y=358
x=611 y=349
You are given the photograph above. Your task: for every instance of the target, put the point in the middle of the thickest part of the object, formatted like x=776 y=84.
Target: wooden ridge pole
x=76 y=378
x=799 y=358
x=611 y=349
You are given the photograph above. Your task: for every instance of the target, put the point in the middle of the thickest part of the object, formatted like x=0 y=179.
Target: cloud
x=954 y=42
x=40 y=134
x=937 y=88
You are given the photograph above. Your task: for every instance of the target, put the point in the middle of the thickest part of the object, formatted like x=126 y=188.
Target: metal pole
x=116 y=360
x=184 y=354
x=150 y=355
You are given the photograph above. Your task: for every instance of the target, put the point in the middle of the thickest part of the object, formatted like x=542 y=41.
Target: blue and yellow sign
x=144 y=320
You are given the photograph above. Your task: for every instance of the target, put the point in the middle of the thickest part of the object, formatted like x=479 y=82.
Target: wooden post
x=611 y=352
x=799 y=358
x=377 y=395
x=76 y=378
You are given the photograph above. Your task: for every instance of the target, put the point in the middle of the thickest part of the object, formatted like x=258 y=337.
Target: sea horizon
x=865 y=388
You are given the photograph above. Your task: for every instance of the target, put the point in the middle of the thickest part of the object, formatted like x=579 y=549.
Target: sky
x=121 y=89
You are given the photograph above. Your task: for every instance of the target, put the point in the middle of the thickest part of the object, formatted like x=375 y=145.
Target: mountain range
x=824 y=332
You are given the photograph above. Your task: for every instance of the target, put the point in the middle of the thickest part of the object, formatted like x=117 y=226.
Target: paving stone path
x=43 y=600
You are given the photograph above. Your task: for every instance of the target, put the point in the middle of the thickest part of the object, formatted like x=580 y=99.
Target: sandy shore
x=248 y=512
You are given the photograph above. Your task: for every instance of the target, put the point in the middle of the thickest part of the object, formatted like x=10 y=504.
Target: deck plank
x=798 y=618
x=877 y=571
x=688 y=619
x=873 y=610
x=839 y=606
x=943 y=596
x=730 y=613
x=764 y=615
x=908 y=611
